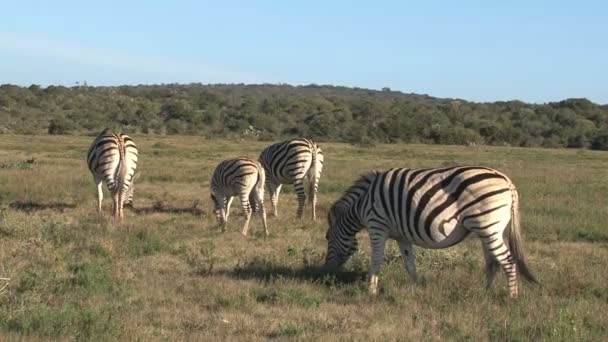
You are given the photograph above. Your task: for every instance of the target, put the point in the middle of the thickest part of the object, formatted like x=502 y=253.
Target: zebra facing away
x=430 y=208
x=243 y=177
x=289 y=162
x=112 y=158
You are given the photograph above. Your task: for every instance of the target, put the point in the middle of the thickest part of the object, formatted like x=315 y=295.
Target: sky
x=534 y=51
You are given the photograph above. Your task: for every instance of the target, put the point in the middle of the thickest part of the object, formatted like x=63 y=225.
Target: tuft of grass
x=145 y=243
x=20 y=165
x=200 y=257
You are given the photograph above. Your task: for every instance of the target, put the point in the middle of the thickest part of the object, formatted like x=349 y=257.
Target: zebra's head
x=341 y=242
x=128 y=196
x=344 y=222
x=128 y=199
x=217 y=208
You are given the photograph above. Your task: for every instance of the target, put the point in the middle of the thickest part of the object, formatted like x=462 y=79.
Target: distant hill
x=323 y=112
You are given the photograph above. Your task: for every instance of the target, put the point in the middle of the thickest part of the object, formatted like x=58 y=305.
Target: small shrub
x=145 y=243
x=22 y=164
x=60 y=126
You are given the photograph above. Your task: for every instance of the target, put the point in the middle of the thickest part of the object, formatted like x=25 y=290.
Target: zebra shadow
x=30 y=206
x=161 y=207
x=320 y=275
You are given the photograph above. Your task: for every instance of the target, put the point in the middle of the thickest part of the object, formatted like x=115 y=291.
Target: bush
x=600 y=141
x=61 y=125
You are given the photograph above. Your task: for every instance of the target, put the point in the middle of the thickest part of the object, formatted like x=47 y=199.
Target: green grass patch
x=166 y=272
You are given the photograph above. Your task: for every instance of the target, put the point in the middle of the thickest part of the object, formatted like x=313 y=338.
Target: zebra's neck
x=348 y=209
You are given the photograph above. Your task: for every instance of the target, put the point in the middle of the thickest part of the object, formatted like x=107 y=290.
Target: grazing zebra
x=113 y=158
x=243 y=177
x=430 y=208
x=289 y=162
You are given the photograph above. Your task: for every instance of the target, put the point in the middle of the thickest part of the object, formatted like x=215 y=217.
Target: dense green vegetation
x=327 y=113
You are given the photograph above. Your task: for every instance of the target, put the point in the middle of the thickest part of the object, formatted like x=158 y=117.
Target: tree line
x=325 y=113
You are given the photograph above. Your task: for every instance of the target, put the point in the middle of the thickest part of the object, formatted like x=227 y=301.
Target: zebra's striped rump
x=112 y=158
x=290 y=162
x=241 y=177
x=431 y=208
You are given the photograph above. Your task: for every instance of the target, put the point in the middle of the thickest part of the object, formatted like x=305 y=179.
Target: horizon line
x=78 y=84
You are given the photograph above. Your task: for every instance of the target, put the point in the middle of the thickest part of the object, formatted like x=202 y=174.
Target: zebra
x=289 y=162
x=243 y=177
x=113 y=158
x=431 y=208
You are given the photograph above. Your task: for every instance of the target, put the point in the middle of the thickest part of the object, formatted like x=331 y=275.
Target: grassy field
x=167 y=273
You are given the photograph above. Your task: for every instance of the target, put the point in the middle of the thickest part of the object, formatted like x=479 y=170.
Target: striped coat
x=290 y=162
x=112 y=158
x=431 y=208
x=241 y=177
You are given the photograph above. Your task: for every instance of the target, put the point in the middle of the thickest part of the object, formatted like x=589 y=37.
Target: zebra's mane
x=106 y=131
x=354 y=192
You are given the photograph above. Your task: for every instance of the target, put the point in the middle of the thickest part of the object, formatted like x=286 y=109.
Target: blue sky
x=535 y=51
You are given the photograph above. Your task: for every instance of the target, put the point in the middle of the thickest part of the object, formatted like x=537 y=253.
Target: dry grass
x=167 y=273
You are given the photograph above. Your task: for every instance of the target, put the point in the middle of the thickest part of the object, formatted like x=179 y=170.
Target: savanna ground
x=167 y=273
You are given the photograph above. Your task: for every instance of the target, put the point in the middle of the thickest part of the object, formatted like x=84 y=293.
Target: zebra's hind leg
x=257 y=199
x=491 y=267
x=495 y=247
x=299 y=187
x=247 y=211
x=409 y=258
x=377 y=239
x=273 y=191
x=116 y=206
x=99 y=185
x=313 y=197
x=121 y=214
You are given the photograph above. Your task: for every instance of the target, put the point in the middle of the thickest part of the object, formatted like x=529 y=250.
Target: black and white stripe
x=241 y=177
x=431 y=208
x=289 y=162
x=112 y=158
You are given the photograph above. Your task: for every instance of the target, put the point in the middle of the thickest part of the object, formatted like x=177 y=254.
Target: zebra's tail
x=258 y=189
x=515 y=241
x=312 y=173
x=121 y=174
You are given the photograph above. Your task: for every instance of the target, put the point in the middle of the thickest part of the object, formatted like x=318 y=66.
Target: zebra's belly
x=440 y=237
x=233 y=191
x=283 y=180
x=440 y=240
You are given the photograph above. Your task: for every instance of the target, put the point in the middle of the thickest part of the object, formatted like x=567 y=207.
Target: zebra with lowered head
x=112 y=158
x=431 y=208
x=241 y=177
x=290 y=162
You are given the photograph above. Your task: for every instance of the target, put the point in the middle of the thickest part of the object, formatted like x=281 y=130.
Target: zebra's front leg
x=299 y=187
x=378 y=242
x=247 y=211
x=409 y=258
x=222 y=219
x=227 y=207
